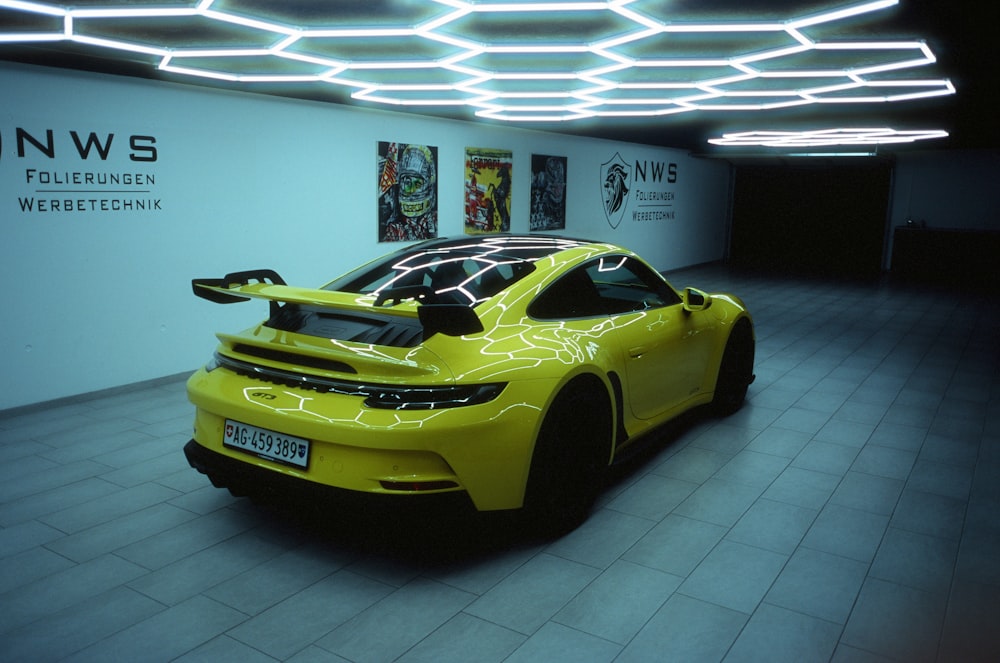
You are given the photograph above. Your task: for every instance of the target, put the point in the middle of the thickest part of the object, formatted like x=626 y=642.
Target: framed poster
x=407 y=192
x=487 y=190
x=548 y=193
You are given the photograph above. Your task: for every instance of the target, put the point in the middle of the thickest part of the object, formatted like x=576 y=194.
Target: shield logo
x=616 y=181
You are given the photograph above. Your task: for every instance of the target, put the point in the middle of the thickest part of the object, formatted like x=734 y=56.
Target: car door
x=665 y=347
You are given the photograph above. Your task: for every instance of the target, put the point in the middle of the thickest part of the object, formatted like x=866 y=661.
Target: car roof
x=439 y=266
x=530 y=247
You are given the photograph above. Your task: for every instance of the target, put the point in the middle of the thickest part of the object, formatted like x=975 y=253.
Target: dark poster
x=548 y=192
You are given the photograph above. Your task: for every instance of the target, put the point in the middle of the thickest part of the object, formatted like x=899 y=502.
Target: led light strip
x=495 y=92
x=826 y=137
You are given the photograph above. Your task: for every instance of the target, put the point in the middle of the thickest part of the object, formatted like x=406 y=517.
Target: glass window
x=571 y=296
x=606 y=286
x=625 y=284
x=464 y=270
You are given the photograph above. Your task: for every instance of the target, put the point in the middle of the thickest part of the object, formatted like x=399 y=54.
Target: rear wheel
x=735 y=370
x=571 y=456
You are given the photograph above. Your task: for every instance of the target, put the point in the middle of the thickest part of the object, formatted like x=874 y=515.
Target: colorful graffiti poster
x=487 y=190
x=548 y=193
x=407 y=192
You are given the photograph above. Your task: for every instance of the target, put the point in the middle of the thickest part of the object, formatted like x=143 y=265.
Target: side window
x=625 y=284
x=606 y=286
x=572 y=296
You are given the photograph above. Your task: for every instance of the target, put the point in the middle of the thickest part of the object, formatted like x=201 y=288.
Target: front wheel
x=735 y=370
x=571 y=457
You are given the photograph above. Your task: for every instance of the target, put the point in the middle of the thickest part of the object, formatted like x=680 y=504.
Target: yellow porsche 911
x=508 y=370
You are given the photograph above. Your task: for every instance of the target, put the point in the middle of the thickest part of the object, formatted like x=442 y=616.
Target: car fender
x=590 y=372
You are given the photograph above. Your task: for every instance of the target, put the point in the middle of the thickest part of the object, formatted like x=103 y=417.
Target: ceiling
x=715 y=77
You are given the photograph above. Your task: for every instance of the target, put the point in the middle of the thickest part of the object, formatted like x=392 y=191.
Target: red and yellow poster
x=487 y=190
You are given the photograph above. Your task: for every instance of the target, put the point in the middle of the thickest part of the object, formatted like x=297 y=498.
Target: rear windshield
x=463 y=271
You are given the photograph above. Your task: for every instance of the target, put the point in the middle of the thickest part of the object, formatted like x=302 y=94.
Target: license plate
x=266 y=443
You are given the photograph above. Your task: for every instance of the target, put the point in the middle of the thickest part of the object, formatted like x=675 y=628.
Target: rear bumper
x=247 y=479
x=481 y=451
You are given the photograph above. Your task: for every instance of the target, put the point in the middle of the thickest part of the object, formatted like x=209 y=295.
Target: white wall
x=101 y=298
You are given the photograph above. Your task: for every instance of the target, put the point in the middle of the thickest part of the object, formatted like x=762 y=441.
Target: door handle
x=638 y=351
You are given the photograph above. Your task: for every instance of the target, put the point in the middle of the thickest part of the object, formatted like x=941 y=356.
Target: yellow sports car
x=509 y=371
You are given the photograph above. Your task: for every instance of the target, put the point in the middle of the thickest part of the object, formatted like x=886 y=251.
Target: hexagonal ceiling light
x=517 y=61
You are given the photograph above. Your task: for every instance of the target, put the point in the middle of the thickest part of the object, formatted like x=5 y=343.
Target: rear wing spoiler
x=217 y=290
x=446 y=318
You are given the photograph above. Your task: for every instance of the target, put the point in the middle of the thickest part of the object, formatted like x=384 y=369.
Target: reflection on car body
x=507 y=370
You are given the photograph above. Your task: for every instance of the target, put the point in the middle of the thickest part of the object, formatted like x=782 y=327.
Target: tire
x=735 y=370
x=570 y=460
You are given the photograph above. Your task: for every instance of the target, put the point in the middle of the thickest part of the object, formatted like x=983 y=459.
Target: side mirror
x=696 y=300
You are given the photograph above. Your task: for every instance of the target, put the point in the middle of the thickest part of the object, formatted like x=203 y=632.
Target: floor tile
x=915 y=560
x=719 y=502
x=108 y=507
x=389 y=628
x=532 y=594
x=847 y=433
x=693 y=464
x=169 y=633
x=802 y=420
x=818 y=400
x=970 y=632
x=51 y=478
x=195 y=573
x=28 y=566
x=819 y=584
x=734 y=575
x=753 y=416
x=602 y=539
x=774 y=526
x=652 y=497
x=943 y=479
x=926 y=513
x=898 y=436
x=884 y=462
x=752 y=468
x=26 y=536
x=897 y=622
x=223 y=649
x=846 y=513
x=725 y=438
x=556 y=642
x=685 y=629
x=466 y=638
x=188 y=538
x=310 y=614
x=64 y=589
x=777 y=635
x=867 y=492
x=676 y=545
x=847 y=532
x=940 y=449
x=66 y=632
x=619 y=601
x=826 y=457
x=779 y=442
x=267 y=584
x=120 y=532
x=38 y=506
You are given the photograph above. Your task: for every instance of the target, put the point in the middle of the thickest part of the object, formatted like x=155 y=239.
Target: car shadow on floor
x=442 y=529
x=417 y=531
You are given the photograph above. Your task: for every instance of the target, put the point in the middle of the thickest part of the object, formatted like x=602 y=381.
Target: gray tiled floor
x=848 y=513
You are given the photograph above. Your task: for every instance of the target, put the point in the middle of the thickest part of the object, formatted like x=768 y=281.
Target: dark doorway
x=819 y=220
